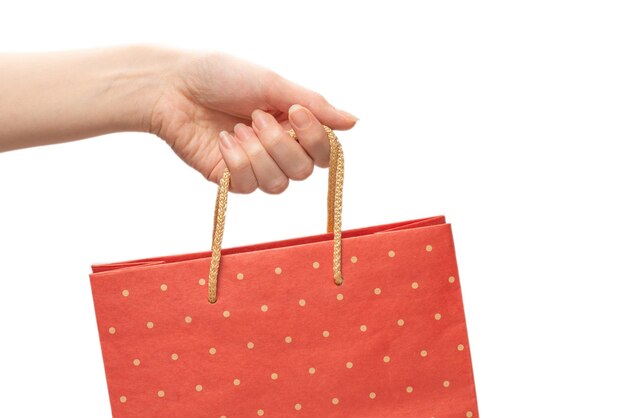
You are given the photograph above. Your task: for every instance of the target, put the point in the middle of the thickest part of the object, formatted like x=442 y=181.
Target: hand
x=215 y=95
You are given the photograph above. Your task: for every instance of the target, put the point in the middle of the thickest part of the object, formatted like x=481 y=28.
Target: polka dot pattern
x=282 y=330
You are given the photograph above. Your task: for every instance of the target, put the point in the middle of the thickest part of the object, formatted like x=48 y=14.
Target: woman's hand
x=216 y=111
x=186 y=98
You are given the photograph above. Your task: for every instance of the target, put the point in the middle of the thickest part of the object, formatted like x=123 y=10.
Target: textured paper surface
x=283 y=340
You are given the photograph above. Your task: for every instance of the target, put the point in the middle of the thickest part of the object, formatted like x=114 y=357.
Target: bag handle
x=335 y=196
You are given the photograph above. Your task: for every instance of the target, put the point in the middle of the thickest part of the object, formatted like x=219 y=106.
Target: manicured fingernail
x=299 y=117
x=227 y=140
x=348 y=115
x=242 y=132
x=261 y=119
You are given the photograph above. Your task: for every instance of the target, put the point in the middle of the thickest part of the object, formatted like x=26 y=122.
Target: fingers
x=311 y=134
x=282 y=93
x=287 y=153
x=243 y=179
x=269 y=176
x=266 y=156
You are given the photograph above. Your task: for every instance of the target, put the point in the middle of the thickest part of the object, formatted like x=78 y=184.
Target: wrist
x=137 y=78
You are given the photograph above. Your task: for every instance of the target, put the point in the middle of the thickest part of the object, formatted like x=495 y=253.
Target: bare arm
x=186 y=98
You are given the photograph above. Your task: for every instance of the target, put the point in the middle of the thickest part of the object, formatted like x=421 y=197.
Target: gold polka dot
x=325 y=333
x=239 y=276
x=260 y=412
x=363 y=328
x=160 y=394
x=136 y=362
x=316 y=265
x=372 y=395
x=311 y=370
x=386 y=359
x=164 y=287
x=212 y=350
x=150 y=324
x=469 y=414
x=302 y=302
x=174 y=356
x=409 y=389
x=125 y=293
x=112 y=330
x=264 y=308
x=188 y=319
x=423 y=353
x=335 y=401
x=236 y=382
x=414 y=285
x=437 y=316
x=226 y=314
x=391 y=253
x=429 y=248
x=198 y=388
x=223 y=416
x=250 y=345
x=349 y=365
x=377 y=291
x=354 y=259
x=400 y=322
x=446 y=383
x=288 y=339
x=460 y=347
x=201 y=282
x=451 y=279
x=297 y=407
x=274 y=376
x=339 y=296
x=278 y=270
x=123 y=399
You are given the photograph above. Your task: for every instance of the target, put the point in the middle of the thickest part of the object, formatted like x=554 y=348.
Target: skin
x=215 y=110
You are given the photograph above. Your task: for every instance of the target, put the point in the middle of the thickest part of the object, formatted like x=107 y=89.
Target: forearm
x=62 y=96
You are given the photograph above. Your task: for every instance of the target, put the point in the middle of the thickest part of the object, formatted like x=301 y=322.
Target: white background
x=507 y=117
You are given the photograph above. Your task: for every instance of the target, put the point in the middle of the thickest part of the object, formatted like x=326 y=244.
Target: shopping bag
x=366 y=322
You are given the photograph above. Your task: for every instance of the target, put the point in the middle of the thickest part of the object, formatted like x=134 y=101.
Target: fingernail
x=348 y=115
x=227 y=140
x=261 y=119
x=299 y=117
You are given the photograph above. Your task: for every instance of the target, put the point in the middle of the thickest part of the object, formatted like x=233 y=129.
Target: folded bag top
x=366 y=322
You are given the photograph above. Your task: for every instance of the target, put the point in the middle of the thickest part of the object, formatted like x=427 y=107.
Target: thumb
x=283 y=94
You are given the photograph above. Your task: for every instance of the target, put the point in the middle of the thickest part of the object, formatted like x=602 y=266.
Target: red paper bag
x=361 y=323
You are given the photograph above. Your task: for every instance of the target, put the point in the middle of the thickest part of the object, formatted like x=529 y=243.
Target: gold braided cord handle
x=335 y=201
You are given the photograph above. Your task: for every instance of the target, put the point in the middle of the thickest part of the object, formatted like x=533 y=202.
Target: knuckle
x=271 y=82
x=303 y=170
x=238 y=164
x=247 y=187
x=322 y=163
x=277 y=186
x=319 y=98
x=255 y=152
x=272 y=137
